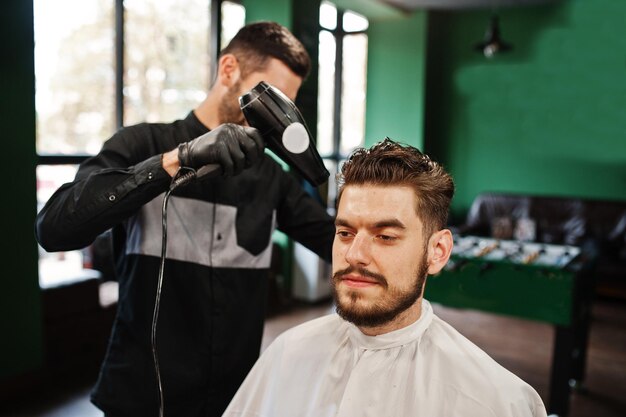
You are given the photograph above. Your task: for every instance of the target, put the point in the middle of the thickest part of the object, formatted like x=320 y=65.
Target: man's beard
x=229 y=111
x=383 y=310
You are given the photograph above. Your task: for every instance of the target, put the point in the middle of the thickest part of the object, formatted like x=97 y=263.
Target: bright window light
x=233 y=19
x=353 y=22
x=328 y=16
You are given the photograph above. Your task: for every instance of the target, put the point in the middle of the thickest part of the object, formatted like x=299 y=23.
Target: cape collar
x=398 y=337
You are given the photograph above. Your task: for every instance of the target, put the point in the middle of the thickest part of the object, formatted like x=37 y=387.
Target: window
x=341 y=86
x=166 y=58
x=111 y=63
x=75 y=74
x=233 y=19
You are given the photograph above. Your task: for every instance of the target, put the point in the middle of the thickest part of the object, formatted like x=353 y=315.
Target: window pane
x=51 y=177
x=167 y=58
x=75 y=76
x=233 y=19
x=353 y=22
x=353 y=92
x=326 y=92
x=332 y=167
x=328 y=15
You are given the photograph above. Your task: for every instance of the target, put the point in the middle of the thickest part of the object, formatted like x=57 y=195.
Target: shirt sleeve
x=304 y=219
x=108 y=188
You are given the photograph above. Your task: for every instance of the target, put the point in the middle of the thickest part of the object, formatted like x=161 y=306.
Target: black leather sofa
x=598 y=226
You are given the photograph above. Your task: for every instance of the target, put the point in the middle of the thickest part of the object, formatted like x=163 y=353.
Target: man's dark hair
x=256 y=43
x=392 y=163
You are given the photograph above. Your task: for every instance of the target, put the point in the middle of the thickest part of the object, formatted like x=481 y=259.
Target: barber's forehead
x=279 y=75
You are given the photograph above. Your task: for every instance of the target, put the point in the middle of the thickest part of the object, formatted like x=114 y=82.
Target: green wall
x=395 y=79
x=20 y=309
x=547 y=118
x=279 y=11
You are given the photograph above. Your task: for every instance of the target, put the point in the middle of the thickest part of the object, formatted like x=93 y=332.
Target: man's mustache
x=380 y=279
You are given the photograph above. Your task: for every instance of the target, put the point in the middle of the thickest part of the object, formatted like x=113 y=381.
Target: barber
x=219 y=236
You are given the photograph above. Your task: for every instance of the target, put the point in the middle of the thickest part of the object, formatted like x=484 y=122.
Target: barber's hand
x=232 y=147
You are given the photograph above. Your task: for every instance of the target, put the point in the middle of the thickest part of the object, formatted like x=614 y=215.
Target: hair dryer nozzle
x=283 y=128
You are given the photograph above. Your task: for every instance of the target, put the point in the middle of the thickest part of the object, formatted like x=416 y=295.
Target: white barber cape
x=327 y=367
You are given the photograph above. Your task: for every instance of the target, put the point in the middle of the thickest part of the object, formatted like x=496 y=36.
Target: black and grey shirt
x=218 y=255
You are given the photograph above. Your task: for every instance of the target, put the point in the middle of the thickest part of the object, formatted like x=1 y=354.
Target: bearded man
x=384 y=353
x=220 y=236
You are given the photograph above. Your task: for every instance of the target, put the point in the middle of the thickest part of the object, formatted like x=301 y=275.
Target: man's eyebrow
x=395 y=223
x=341 y=222
x=381 y=224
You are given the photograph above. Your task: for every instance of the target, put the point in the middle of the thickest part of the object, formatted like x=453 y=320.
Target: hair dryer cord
x=182 y=177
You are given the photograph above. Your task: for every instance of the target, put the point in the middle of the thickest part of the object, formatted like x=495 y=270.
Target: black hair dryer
x=283 y=128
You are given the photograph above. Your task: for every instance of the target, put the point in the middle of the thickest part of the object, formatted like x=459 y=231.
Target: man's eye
x=343 y=233
x=387 y=238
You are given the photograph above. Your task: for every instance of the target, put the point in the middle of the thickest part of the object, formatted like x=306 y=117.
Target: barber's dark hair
x=256 y=43
x=393 y=163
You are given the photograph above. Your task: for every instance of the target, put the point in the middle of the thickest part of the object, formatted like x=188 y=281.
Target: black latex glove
x=232 y=147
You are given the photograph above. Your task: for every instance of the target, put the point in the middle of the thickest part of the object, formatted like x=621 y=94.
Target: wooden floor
x=524 y=347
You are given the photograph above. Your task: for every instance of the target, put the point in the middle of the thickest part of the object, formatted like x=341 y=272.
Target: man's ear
x=228 y=71
x=439 y=250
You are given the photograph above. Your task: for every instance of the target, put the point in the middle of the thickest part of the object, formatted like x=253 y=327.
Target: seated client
x=385 y=353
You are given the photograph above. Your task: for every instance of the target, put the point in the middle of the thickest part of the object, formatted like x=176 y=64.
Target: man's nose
x=359 y=251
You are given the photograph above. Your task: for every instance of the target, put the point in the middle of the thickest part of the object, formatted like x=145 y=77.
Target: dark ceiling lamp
x=492 y=43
